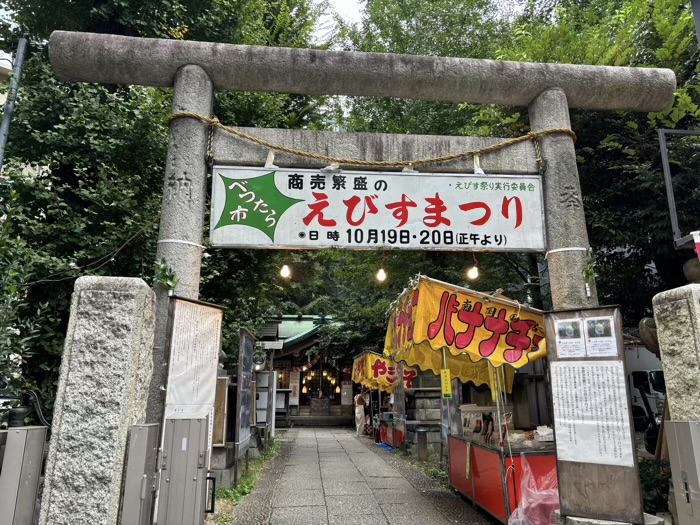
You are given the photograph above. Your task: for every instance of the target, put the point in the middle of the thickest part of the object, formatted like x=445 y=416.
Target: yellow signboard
x=379 y=373
x=477 y=331
x=446 y=382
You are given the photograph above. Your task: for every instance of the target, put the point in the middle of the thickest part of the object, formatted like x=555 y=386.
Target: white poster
x=570 y=342
x=194 y=357
x=346 y=393
x=591 y=421
x=294 y=381
x=600 y=337
x=286 y=208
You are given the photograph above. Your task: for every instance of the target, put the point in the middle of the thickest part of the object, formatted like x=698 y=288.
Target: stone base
x=225 y=477
x=569 y=520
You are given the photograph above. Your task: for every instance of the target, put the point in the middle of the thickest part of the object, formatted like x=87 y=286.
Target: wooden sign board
x=245 y=412
x=220 y=411
x=593 y=429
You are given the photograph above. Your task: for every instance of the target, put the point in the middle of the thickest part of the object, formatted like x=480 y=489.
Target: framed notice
x=194 y=342
x=596 y=430
x=593 y=431
x=244 y=399
x=287 y=208
x=294 y=383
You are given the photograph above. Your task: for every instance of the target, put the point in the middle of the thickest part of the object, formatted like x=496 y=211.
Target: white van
x=646 y=384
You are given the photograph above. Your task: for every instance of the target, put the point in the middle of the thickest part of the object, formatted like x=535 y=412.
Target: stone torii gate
x=196 y=69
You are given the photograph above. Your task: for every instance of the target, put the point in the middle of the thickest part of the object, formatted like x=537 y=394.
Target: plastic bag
x=538 y=498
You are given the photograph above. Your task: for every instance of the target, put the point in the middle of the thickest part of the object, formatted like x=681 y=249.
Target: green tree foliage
x=619 y=158
x=90 y=203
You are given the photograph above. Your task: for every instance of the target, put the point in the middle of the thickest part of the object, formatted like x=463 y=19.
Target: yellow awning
x=377 y=372
x=475 y=330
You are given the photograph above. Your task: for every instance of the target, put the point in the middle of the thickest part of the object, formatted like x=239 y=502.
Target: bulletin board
x=594 y=434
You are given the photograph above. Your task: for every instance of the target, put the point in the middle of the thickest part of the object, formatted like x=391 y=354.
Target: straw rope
x=214 y=123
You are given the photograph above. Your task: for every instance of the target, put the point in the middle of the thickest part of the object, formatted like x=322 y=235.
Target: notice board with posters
x=244 y=400
x=593 y=429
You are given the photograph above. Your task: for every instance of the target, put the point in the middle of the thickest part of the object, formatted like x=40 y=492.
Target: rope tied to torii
x=533 y=136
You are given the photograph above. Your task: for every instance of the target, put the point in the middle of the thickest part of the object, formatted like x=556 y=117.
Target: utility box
x=684 y=453
x=140 y=477
x=19 y=473
x=183 y=467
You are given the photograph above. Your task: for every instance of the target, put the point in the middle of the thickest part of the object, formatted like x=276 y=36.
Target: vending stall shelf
x=480 y=339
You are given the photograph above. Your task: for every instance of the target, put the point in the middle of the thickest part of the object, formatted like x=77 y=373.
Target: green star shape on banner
x=254 y=202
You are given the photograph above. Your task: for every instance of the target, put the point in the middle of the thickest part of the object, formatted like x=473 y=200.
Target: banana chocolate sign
x=472 y=328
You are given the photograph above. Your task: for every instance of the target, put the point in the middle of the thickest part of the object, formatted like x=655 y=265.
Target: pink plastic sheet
x=538 y=498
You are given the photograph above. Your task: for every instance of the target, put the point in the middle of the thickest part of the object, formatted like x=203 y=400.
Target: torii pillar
x=196 y=68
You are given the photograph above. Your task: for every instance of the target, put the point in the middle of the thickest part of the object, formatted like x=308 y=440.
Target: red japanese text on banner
x=285 y=208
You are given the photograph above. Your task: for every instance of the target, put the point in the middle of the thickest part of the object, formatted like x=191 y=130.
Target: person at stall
x=360 y=403
x=386 y=407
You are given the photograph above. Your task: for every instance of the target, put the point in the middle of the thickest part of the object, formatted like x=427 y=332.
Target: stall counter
x=479 y=476
x=388 y=435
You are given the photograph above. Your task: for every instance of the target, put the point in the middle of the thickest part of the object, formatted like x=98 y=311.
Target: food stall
x=481 y=339
x=380 y=374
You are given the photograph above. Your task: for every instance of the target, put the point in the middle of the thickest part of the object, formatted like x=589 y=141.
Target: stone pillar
x=182 y=214
x=677 y=315
x=565 y=221
x=102 y=391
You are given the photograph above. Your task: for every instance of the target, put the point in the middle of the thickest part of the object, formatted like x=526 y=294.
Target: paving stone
x=302 y=471
x=399 y=496
x=351 y=505
x=299 y=516
x=379 y=473
x=360 y=484
x=293 y=482
x=403 y=513
x=293 y=497
x=361 y=519
x=343 y=488
x=389 y=483
x=342 y=475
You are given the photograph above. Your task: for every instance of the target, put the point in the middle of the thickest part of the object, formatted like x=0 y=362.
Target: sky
x=348 y=9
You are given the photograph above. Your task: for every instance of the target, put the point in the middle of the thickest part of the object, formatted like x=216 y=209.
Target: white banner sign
x=591 y=421
x=194 y=357
x=285 y=208
x=294 y=383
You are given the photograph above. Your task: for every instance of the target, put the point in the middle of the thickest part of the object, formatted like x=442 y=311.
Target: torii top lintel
x=112 y=59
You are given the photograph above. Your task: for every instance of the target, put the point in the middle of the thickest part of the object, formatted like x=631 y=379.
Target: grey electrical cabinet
x=183 y=467
x=140 y=476
x=684 y=453
x=19 y=473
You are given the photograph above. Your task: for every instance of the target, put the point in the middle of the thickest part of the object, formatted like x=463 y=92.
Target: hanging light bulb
x=337 y=390
x=285 y=272
x=304 y=381
x=473 y=272
x=325 y=373
x=381 y=273
x=304 y=390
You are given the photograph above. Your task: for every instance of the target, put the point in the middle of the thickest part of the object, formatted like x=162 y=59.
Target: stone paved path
x=332 y=477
